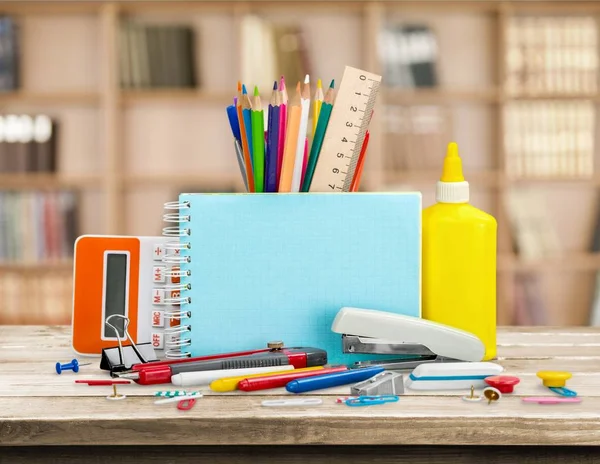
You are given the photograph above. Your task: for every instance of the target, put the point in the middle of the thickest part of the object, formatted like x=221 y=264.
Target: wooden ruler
x=346 y=131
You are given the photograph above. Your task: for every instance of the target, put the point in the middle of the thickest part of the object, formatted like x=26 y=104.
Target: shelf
x=36 y=268
x=439 y=95
x=48 y=181
x=430 y=177
x=595 y=96
x=49 y=98
x=129 y=97
x=215 y=181
x=588 y=181
x=571 y=261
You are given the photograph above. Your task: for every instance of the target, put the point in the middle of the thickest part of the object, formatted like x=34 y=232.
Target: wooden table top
x=39 y=407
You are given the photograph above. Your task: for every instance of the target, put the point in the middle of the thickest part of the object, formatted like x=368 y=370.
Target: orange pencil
x=291 y=143
x=245 y=147
x=359 y=166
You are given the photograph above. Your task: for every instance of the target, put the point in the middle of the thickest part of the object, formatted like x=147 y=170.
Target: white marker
x=186 y=379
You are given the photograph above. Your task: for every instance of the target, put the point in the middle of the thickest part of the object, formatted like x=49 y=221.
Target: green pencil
x=258 y=143
x=315 y=148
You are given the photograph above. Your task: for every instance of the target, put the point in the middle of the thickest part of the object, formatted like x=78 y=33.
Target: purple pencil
x=273 y=140
x=282 y=126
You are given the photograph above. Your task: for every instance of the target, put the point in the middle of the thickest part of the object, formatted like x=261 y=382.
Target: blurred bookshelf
x=126 y=149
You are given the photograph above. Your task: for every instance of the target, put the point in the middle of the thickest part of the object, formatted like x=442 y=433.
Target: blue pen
x=334 y=379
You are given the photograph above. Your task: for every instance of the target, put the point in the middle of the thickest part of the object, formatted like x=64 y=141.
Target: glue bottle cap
x=452 y=187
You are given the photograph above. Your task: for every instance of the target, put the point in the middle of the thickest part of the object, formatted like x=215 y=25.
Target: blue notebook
x=269 y=267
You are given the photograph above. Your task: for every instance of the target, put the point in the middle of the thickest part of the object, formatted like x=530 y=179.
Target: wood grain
x=38 y=407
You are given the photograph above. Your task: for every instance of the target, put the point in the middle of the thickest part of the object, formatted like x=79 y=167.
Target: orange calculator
x=136 y=277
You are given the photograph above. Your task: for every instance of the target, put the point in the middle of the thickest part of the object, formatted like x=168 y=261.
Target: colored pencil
x=317 y=105
x=360 y=164
x=272 y=141
x=247 y=112
x=291 y=143
x=304 y=159
x=244 y=137
x=282 y=126
x=240 y=158
x=305 y=108
x=317 y=143
x=258 y=142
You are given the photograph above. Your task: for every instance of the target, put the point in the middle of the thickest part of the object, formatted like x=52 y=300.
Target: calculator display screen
x=115 y=291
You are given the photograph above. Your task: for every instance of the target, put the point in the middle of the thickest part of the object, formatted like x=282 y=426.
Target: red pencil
x=359 y=166
x=281 y=380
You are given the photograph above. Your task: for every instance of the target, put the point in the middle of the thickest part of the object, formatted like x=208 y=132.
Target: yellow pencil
x=230 y=383
x=319 y=97
x=291 y=142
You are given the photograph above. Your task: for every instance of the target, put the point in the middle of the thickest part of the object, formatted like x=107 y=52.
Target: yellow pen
x=230 y=383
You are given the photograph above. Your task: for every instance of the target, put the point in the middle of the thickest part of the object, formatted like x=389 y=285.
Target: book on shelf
x=27 y=143
x=9 y=54
x=530 y=308
x=36 y=298
x=416 y=137
x=551 y=54
x=594 y=318
x=270 y=49
x=549 y=138
x=37 y=227
x=409 y=55
x=535 y=236
x=152 y=56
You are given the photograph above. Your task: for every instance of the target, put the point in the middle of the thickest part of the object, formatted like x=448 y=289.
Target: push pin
x=504 y=383
x=72 y=366
x=556 y=381
x=472 y=398
x=492 y=394
x=115 y=395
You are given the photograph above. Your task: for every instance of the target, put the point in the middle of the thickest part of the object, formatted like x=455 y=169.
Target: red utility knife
x=161 y=372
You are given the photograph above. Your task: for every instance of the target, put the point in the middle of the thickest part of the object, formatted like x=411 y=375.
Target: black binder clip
x=121 y=358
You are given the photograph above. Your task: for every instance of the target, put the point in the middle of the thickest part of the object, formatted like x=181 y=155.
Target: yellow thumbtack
x=492 y=394
x=554 y=378
x=472 y=398
x=556 y=382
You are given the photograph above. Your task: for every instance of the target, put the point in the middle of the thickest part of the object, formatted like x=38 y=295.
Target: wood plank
x=242 y=420
x=39 y=181
x=39 y=379
x=380 y=454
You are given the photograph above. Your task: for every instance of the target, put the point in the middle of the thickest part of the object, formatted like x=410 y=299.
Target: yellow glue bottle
x=459 y=258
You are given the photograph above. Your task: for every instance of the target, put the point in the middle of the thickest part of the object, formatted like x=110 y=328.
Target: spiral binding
x=175 y=257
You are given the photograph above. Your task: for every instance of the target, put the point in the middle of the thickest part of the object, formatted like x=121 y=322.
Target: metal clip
x=386 y=383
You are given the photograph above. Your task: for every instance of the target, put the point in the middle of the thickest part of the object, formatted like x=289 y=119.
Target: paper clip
x=177 y=399
x=186 y=405
x=563 y=391
x=372 y=400
x=294 y=402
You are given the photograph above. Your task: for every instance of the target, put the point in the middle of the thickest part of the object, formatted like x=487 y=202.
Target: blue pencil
x=272 y=141
x=247 y=113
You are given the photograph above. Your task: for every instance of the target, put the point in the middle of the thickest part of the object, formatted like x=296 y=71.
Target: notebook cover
x=280 y=266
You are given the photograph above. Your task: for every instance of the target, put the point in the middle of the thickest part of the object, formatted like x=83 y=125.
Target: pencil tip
x=256 y=94
x=332 y=85
x=298 y=87
x=239 y=86
x=282 y=86
x=319 y=84
x=307 y=79
x=275 y=85
x=244 y=91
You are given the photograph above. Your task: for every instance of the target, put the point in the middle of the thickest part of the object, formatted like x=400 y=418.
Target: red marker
x=281 y=380
x=104 y=382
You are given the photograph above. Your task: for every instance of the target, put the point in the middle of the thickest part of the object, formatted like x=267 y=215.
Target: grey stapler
x=415 y=341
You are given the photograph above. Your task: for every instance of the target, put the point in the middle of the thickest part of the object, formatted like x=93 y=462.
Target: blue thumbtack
x=72 y=366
